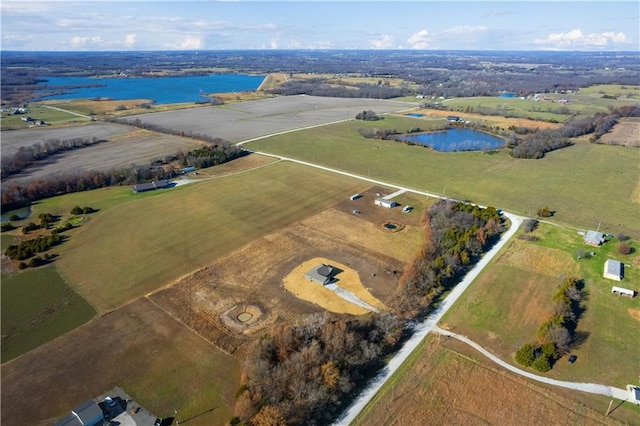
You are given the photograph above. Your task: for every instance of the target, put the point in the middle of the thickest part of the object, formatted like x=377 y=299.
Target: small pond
x=457 y=140
x=22 y=213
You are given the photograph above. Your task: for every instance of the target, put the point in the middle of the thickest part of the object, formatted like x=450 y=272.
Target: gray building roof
x=594 y=238
x=321 y=274
x=86 y=414
x=614 y=268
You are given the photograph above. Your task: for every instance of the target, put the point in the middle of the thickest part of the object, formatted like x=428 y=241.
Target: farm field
x=626 y=132
x=173 y=232
x=245 y=120
x=443 y=383
x=489 y=120
x=161 y=363
x=38 y=306
x=37 y=112
x=517 y=185
x=137 y=146
x=513 y=296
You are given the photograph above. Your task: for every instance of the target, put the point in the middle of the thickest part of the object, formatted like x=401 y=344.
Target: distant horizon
x=139 y=26
x=324 y=50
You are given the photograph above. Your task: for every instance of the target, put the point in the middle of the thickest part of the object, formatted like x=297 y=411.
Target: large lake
x=162 y=90
x=457 y=140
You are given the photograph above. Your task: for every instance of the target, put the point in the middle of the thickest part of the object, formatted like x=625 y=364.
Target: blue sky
x=223 y=25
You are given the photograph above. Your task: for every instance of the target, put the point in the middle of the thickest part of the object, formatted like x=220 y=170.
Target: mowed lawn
x=513 y=297
x=139 y=246
x=38 y=306
x=585 y=184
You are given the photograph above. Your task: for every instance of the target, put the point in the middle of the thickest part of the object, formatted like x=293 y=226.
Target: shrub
x=541 y=364
x=526 y=354
x=549 y=350
x=545 y=212
x=22 y=265
x=530 y=225
x=76 y=210
x=624 y=248
x=623 y=237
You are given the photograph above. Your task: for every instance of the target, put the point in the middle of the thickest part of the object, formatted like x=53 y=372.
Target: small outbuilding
x=622 y=291
x=453 y=118
x=322 y=274
x=594 y=238
x=389 y=204
x=614 y=270
x=355 y=197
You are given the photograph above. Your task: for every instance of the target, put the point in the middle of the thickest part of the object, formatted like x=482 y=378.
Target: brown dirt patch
x=348 y=279
x=254 y=275
x=635 y=313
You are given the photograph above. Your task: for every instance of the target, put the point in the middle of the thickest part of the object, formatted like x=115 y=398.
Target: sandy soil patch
x=635 y=313
x=348 y=279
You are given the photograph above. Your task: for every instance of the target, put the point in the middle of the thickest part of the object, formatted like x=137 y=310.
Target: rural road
x=611 y=391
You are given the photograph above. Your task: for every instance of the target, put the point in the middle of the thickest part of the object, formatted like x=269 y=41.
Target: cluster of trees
x=385 y=134
x=210 y=155
x=77 y=210
x=367 y=116
x=535 y=145
x=305 y=373
x=36 y=261
x=556 y=335
x=28 y=248
x=27 y=156
x=455 y=235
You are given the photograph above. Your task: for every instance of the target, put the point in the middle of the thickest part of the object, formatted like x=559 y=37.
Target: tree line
x=16 y=195
x=27 y=156
x=306 y=373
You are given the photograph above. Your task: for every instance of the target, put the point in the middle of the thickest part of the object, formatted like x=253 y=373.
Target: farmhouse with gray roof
x=613 y=270
x=321 y=274
x=594 y=238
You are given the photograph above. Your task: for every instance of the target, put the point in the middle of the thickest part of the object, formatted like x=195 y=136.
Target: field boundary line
x=184 y=324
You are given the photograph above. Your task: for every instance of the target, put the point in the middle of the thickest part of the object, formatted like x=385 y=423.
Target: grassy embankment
x=585 y=184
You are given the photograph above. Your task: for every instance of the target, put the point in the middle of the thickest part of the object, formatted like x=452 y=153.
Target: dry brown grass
x=540 y=260
x=348 y=279
x=626 y=132
x=442 y=386
x=635 y=313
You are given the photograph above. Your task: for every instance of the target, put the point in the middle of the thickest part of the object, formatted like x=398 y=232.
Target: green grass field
x=137 y=244
x=585 y=184
x=513 y=296
x=38 y=306
x=48 y=115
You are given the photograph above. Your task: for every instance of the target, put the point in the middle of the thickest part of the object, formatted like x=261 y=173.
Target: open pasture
x=513 y=296
x=158 y=361
x=585 y=184
x=439 y=385
x=173 y=232
x=489 y=120
x=38 y=306
x=245 y=120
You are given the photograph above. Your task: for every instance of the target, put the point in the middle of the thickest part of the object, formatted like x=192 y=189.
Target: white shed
x=613 y=270
x=622 y=291
x=389 y=204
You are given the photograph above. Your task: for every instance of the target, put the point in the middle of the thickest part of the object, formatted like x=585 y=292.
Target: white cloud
x=130 y=40
x=419 y=40
x=385 y=41
x=465 y=29
x=187 y=43
x=94 y=41
x=575 y=39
